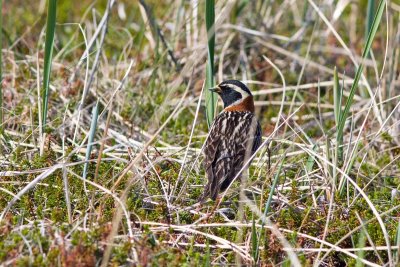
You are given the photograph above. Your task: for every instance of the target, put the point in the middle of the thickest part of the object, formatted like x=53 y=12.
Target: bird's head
x=235 y=95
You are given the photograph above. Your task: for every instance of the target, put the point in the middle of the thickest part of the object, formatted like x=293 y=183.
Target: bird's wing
x=211 y=147
x=222 y=166
x=257 y=137
x=247 y=140
x=212 y=143
x=225 y=150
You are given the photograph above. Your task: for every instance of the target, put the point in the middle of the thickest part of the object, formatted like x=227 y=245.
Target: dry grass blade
x=359 y=67
x=117 y=214
x=325 y=192
x=364 y=195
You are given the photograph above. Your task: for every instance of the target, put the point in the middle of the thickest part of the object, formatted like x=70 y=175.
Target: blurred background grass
x=156 y=119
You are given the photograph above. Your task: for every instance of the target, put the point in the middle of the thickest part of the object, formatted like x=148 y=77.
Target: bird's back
x=233 y=138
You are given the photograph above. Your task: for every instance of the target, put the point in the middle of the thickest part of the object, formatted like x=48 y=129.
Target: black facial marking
x=229 y=95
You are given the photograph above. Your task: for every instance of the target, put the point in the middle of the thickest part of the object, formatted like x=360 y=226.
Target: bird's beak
x=216 y=89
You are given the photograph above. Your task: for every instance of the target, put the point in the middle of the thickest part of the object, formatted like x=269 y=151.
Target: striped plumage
x=234 y=136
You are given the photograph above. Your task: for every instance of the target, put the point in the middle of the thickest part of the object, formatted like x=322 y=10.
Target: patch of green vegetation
x=36 y=231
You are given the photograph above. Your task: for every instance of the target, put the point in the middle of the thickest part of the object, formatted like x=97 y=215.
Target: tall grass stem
x=92 y=132
x=211 y=98
x=367 y=48
x=337 y=103
x=48 y=53
x=370 y=17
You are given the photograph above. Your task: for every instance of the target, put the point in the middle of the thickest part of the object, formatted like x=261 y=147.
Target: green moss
x=383 y=159
x=369 y=168
x=121 y=253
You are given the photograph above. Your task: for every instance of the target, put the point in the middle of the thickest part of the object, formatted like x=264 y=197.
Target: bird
x=234 y=136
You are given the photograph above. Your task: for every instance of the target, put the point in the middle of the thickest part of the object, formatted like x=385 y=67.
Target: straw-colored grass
x=107 y=169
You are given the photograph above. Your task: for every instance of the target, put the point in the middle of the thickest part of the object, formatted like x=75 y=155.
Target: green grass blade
x=274 y=183
x=48 y=52
x=211 y=98
x=366 y=51
x=370 y=17
x=92 y=132
x=254 y=242
x=337 y=103
x=396 y=256
x=361 y=253
x=336 y=96
x=240 y=5
x=207 y=260
x=329 y=156
x=311 y=160
x=342 y=185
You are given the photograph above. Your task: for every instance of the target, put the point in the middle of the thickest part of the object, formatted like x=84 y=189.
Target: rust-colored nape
x=246 y=105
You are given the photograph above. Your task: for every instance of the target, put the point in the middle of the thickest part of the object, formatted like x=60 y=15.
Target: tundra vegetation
x=105 y=108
